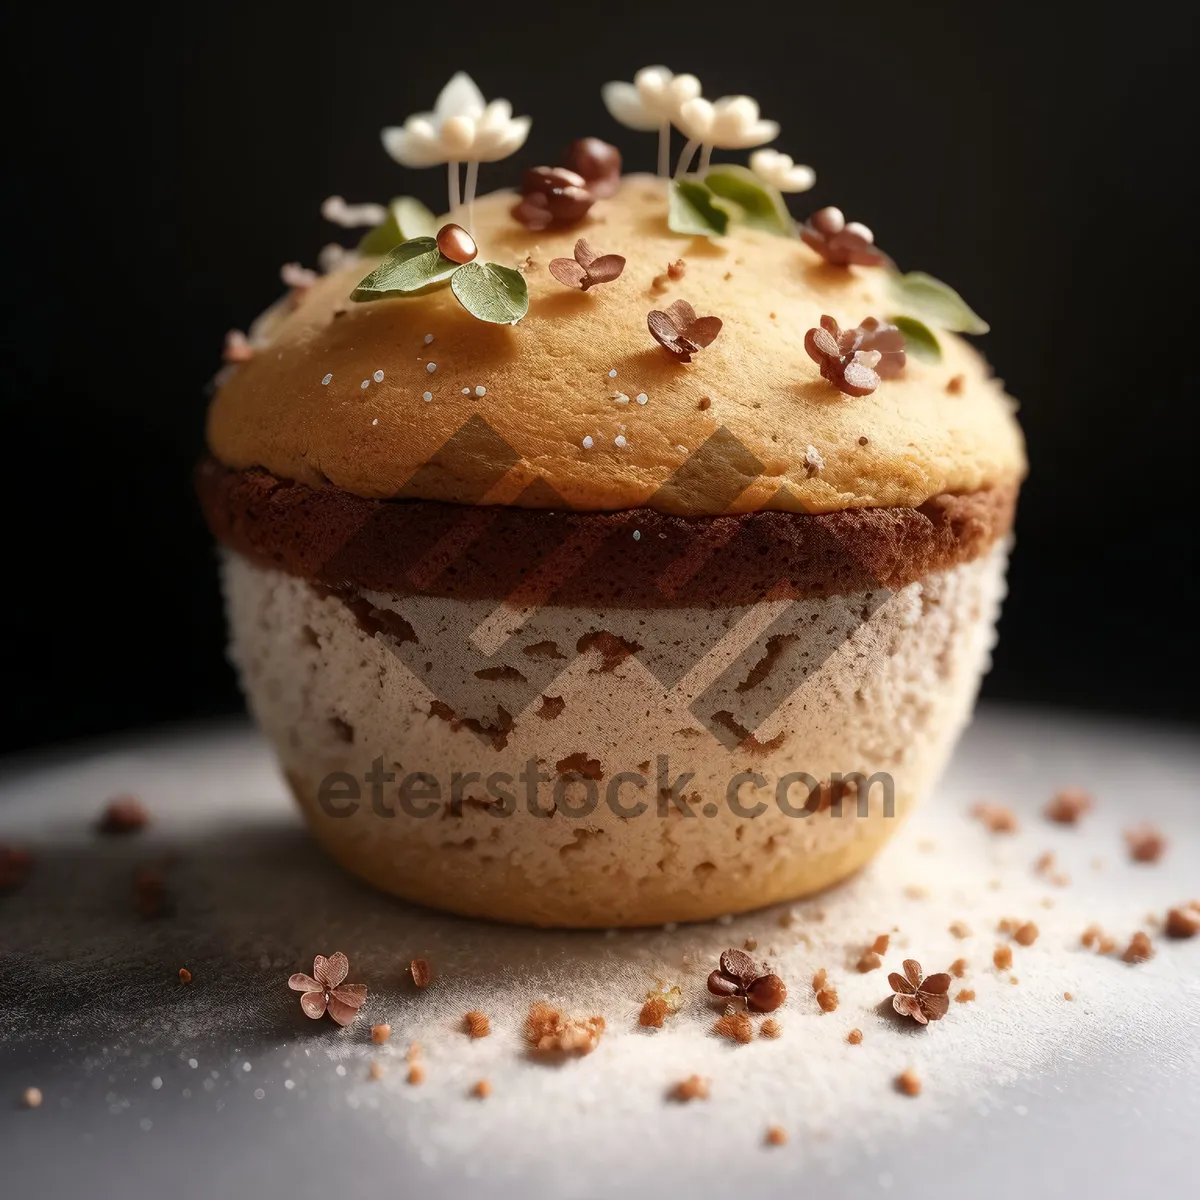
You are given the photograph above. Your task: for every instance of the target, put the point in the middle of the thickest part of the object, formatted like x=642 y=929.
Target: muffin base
x=870 y=682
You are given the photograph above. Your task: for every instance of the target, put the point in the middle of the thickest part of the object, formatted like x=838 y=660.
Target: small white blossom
x=730 y=123
x=782 y=171
x=813 y=461
x=352 y=216
x=463 y=127
x=651 y=100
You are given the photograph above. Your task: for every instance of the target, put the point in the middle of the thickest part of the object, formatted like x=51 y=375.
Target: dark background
x=163 y=161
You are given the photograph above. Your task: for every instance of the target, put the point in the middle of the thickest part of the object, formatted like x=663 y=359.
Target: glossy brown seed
x=598 y=162
x=456 y=244
x=548 y=180
x=766 y=993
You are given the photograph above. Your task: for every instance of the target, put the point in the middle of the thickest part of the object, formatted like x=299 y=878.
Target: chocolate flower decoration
x=839 y=242
x=599 y=164
x=739 y=975
x=924 y=1000
x=680 y=331
x=552 y=196
x=587 y=268
x=325 y=991
x=855 y=360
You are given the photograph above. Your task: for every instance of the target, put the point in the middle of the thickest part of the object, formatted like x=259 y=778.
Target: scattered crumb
x=881 y=943
x=676 y=270
x=413 y=1052
x=1002 y=957
x=478 y=1025
x=1046 y=865
x=691 y=1088
x=965 y=995
x=770 y=1028
x=1068 y=996
x=827 y=998
x=1093 y=937
x=1026 y=935
x=124 y=814
x=818 y=981
x=1068 y=805
x=548 y=1032
x=908 y=1083
x=1183 y=922
x=1139 y=949
x=185 y=976
x=375 y=1070
x=750 y=944
x=960 y=929
x=704 y=403
x=380 y=1034
x=421 y=972
x=997 y=817
x=32 y=1098
x=482 y=1090
x=654 y=1013
x=916 y=891
x=870 y=961
x=855 y=1037
x=776 y=1136
x=955 y=384
x=1146 y=844
x=1013 y=979
x=150 y=891
x=958 y=968
x=734 y=1025
x=416 y=1073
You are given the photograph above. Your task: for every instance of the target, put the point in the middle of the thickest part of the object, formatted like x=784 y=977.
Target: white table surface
x=222 y=1088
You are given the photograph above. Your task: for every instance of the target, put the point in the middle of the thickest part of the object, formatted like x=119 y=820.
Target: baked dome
x=548 y=384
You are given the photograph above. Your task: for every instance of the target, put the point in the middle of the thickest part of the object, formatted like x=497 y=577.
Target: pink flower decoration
x=325 y=991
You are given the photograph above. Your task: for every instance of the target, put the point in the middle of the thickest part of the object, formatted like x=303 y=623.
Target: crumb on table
x=908 y=1083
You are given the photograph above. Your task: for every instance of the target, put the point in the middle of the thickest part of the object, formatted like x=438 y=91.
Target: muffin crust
x=943 y=427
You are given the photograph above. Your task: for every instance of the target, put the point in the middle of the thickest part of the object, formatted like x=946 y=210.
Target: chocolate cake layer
x=627 y=559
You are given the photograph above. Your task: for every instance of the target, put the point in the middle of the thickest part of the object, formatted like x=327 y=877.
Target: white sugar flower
x=352 y=216
x=651 y=101
x=463 y=127
x=730 y=123
x=782 y=171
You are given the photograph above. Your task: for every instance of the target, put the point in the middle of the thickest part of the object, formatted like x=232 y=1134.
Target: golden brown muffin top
x=941 y=427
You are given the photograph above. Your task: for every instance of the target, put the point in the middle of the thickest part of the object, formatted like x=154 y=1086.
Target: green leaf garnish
x=918 y=338
x=407 y=218
x=411 y=267
x=936 y=301
x=694 y=209
x=491 y=292
x=760 y=206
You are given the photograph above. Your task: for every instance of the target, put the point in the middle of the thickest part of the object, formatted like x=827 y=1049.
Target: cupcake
x=616 y=551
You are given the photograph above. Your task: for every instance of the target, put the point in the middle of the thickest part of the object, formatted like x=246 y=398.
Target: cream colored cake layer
x=867 y=683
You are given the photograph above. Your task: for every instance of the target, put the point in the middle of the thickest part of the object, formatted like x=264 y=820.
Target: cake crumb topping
x=1145 y=843
x=694 y=1087
x=1067 y=805
x=477 y=1023
x=996 y=818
